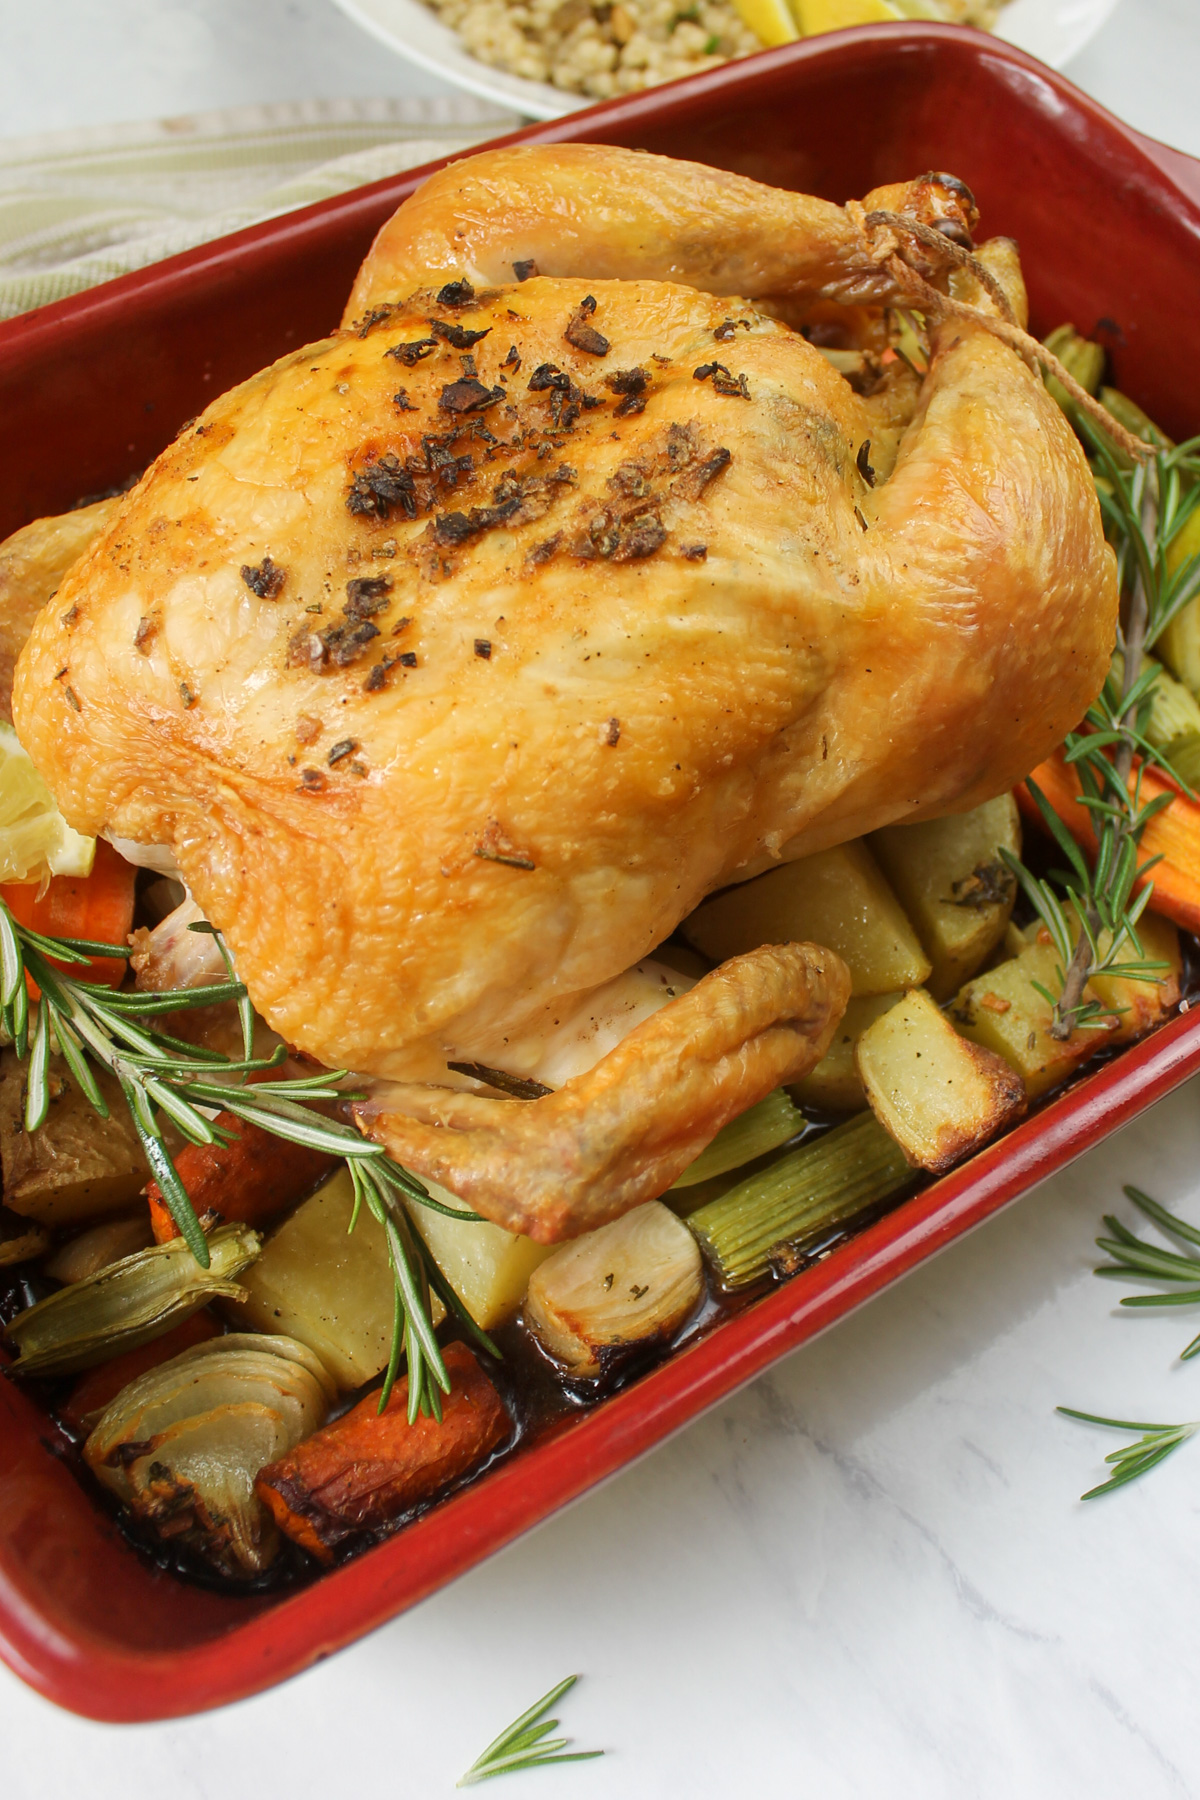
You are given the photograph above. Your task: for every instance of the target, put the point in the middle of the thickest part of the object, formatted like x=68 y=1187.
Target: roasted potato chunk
x=953 y=883
x=938 y=1095
x=1003 y=1011
x=488 y=1267
x=835 y=1085
x=838 y=898
x=327 y=1286
x=76 y=1166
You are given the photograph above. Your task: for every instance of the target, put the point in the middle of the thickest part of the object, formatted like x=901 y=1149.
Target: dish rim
x=76 y=1668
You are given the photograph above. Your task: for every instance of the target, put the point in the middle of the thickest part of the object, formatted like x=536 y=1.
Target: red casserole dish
x=92 y=388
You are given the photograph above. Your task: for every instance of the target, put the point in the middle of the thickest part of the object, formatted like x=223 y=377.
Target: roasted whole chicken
x=458 y=656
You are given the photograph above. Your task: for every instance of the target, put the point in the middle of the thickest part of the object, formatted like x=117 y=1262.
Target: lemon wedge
x=35 y=839
x=814 y=16
x=770 y=20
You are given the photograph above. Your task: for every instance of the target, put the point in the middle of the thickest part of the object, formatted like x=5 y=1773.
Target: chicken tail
x=622 y=1132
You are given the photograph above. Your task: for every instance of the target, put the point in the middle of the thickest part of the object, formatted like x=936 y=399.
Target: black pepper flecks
x=863 y=463
x=343 y=748
x=483 y=648
x=513 y=359
x=145 y=634
x=186 y=695
x=694 y=552
x=69 y=617
x=407 y=659
x=265 y=579
x=612 y=733
x=401 y=401
x=312 y=781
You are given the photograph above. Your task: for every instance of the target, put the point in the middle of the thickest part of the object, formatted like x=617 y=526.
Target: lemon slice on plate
x=814 y=16
x=771 y=21
x=35 y=839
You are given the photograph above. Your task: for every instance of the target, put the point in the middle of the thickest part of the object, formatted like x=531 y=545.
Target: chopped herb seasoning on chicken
x=265 y=579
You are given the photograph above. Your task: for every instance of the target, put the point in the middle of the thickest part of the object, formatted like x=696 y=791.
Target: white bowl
x=1052 y=30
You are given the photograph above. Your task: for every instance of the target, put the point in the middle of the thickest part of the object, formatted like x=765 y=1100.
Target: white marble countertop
x=869 y=1574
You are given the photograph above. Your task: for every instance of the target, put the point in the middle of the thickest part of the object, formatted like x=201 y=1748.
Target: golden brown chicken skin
x=460 y=655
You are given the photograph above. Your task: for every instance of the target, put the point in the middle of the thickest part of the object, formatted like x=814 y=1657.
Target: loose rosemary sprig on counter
x=1132 y=1460
x=164 y=1077
x=1132 y=1258
x=527 y=1743
x=1145 y=507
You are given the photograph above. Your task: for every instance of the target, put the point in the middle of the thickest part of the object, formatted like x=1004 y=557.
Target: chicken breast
x=459 y=656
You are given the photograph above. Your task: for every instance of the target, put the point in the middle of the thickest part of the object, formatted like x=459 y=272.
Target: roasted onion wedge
x=616 y=1291
x=181 y=1446
x=128 y=1303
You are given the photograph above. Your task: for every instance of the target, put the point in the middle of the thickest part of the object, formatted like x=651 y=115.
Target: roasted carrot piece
x=93 y=1392
x=1173 y=834
x=97 y=906
x=248 y=1182
x=369 y=1467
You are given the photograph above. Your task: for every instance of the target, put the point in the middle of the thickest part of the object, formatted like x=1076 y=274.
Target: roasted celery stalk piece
x=771 y=1217
x=838 y=898
x=835 y=1085
x=129 y=1303
x=488 y=1267
x=1003 y=1011
x=615 y=1292
x=759 y=1129
x=327 y=1286
x=183 y=1443
x=76 y=1167
x=951 y=879
x=939 y=1095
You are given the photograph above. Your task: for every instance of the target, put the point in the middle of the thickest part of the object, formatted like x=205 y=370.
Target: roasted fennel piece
x=799 y=1199
x=129 y=1303
x=615 y=1293
x=182 y=1445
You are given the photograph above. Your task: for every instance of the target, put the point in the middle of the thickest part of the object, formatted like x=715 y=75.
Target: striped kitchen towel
x=80 y=207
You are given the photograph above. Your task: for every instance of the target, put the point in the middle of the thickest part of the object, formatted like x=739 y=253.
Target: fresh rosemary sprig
x=1132 y=1460
x=1133 y=1258
x=164 y=1077
x=1145 y=508
x=527 y=1743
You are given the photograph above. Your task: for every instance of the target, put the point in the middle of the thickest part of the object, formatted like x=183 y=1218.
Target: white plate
x=1053 y=30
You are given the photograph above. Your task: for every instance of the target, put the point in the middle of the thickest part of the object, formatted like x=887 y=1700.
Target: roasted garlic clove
x=181 y=1446
x=615 y=1291
x=128 y=1303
